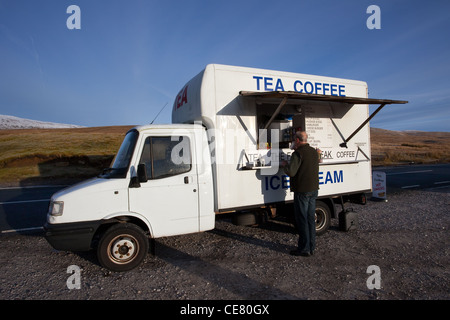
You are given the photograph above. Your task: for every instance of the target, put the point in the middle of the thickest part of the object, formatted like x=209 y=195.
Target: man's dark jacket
x=303 y=169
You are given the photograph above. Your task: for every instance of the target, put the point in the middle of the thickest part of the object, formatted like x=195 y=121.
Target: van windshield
x=122 y=159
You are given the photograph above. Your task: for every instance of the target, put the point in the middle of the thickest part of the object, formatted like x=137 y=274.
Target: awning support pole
x=344 y=144
x=283 y=102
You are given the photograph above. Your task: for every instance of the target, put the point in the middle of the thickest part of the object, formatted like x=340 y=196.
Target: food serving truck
x=231 y=129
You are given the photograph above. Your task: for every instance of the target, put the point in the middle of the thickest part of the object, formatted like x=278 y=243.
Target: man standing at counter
x=303 y=170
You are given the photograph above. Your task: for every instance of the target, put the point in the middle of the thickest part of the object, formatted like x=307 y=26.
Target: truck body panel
x=234 y=122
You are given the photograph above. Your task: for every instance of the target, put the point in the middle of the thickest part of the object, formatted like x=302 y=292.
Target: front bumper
x=76 y=236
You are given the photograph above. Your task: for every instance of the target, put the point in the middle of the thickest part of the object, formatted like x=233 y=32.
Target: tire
x=323 y=217
x=122 y=247
x=244 y=219
x=250 y=218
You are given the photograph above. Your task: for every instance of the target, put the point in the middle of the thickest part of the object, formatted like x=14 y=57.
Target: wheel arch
x=123 y=217
x=330 y=204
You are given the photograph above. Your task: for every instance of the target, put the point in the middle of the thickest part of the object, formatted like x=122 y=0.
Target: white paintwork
x=92 y=199
x=212 y=98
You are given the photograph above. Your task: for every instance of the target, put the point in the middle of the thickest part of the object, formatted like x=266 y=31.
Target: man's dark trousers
x=304 y=209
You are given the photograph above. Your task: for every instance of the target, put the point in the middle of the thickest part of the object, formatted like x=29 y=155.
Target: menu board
x=318 y=126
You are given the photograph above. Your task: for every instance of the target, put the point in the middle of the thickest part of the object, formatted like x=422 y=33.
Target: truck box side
x=233 y=122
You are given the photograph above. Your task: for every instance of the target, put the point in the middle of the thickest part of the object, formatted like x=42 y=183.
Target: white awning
x=317 y=97
x=292 y=95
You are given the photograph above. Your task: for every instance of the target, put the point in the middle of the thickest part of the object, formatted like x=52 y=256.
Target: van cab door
x=169 y=198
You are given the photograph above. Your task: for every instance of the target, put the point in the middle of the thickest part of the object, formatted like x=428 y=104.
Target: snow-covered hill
x=11 y=122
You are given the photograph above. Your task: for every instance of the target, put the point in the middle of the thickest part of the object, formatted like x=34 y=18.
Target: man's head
x=300 y=138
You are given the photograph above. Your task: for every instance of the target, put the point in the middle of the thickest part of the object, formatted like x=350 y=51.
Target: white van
x=232 y=126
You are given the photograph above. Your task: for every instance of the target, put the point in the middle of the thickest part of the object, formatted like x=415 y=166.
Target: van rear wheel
x=122 y=247
x=322 y=217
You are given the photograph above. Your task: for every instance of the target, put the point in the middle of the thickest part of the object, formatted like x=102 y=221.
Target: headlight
x=56 y=208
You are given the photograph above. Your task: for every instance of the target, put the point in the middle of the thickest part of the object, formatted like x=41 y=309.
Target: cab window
x=166 y=156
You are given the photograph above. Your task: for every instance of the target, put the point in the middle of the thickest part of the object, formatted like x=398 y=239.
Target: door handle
x=186 y=180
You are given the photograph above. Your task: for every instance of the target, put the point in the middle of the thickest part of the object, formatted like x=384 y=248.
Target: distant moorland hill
x=45 y=155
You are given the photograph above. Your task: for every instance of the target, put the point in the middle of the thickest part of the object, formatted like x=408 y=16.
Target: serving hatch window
x=285 y=124
x=313 y=117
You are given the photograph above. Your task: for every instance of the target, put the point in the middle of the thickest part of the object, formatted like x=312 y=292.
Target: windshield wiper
x=113 y=173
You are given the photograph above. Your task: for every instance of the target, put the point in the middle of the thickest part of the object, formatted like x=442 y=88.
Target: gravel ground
x=406 y=237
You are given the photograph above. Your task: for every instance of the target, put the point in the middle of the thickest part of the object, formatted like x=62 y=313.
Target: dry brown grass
x=46 y=154
x=32 y=155
x=400 y=147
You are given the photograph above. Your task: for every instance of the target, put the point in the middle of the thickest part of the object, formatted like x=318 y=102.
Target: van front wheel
x=122 y=247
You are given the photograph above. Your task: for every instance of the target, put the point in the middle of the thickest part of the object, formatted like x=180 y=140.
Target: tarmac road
x=423 y=177
x=24 y=209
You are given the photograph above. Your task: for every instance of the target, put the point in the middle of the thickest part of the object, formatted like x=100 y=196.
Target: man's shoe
x=299 y=253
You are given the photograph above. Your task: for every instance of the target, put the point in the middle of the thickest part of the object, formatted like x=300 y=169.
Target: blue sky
x=132 y=57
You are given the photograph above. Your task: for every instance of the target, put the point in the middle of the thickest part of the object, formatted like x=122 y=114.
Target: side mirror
x=142 y=173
